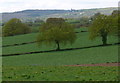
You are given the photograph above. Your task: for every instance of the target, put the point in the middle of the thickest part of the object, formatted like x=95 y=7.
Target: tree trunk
x=104 y=39
x=104 y=36
x=58 y=45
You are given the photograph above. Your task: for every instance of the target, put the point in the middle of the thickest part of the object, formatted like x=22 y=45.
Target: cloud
x=18 y=5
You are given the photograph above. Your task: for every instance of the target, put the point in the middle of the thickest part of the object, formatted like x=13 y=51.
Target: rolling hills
x=44 y=14
x=51 y=66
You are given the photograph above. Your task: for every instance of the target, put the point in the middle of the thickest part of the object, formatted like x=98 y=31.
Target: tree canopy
x=116 y=20
x=56 y=32
x=102 y=26
x=15 y=27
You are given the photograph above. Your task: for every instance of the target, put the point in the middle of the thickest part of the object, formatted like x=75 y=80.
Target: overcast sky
x=18 y=5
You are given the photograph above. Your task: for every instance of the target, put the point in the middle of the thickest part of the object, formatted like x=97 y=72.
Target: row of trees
x=57 y=31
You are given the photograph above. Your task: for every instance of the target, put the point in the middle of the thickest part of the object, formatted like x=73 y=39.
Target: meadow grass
x=50 y=66
x=25 y=38
x=73 y=57
x=59 y=73
x=82 y=41
x=19 y=39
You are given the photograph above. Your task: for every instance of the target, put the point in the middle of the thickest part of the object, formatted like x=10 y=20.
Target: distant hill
x=44 y=14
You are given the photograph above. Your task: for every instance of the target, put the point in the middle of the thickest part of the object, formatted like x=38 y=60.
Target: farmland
x=19 y=39
x=73 y=57
x=59 y=73
x=27 y=38
x=82 y=41
x=50 y=66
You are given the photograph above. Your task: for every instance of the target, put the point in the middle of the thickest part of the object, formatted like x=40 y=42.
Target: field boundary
x=28 y=42
x=19 y=44
x=4 y=55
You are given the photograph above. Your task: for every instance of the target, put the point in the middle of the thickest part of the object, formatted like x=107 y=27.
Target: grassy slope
x=29 y=73
x=35 y=67
x=82 y=56
x=19 y=39
x=82 y=41
x=26 y=38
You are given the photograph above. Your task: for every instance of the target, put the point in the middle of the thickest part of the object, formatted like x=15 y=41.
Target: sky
x=18 y=5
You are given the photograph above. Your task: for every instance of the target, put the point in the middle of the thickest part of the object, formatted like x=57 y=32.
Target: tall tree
x=56 y=32
x=102 y=26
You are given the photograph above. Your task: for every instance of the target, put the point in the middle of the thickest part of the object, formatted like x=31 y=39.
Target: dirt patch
x=102 y=64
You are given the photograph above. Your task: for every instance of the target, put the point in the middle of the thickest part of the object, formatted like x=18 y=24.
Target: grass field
x=49 y=66
x=25 y=38
x=19 y=39
x=81 y=56
x=82 y=41
x=61 y=73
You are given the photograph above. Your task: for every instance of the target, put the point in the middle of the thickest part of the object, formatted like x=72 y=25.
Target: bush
x=15 y=27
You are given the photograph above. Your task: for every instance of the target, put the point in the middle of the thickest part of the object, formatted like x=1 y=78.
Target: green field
x=52 y=64
x=61 y=73
x=19 y=39
x=81 y=56
x=82 y=41
x=25 y=38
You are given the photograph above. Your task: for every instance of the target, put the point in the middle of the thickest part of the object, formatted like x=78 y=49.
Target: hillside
x=84 y=60
x=44 y=14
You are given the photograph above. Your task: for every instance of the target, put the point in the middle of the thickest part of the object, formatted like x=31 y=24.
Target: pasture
x=82 y=41
x=80 y=56
x=50 y=66
x=59 y=73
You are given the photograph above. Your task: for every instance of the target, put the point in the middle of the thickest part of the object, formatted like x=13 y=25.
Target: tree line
x=56 y=31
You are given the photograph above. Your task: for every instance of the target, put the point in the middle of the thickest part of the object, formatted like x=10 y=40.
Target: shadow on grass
x=68 y=49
